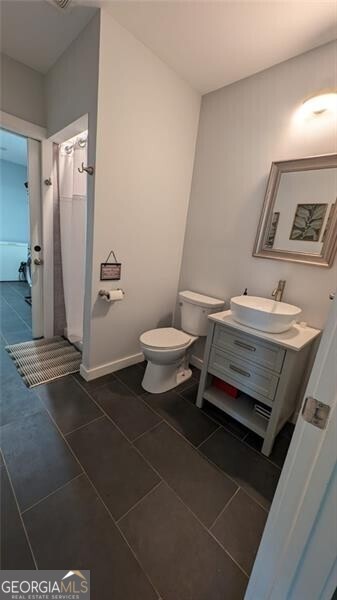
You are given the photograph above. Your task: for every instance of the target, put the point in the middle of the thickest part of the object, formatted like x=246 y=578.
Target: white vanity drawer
x=244 y=374
x=258 y=351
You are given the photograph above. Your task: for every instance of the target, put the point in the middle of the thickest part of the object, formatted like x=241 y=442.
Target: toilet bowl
x=167 y=349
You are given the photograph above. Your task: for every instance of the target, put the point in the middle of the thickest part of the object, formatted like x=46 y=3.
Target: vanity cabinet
x=266 y=368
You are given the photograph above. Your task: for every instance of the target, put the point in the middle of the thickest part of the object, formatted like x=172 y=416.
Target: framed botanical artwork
x=308 y=222
x=272 y=230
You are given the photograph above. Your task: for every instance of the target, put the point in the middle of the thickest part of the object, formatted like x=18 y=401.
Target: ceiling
x=213 y=43
x=209 y=43
x=13 y=148
x=36 y=33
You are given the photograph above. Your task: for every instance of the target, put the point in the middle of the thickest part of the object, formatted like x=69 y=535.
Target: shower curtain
x=73 y=213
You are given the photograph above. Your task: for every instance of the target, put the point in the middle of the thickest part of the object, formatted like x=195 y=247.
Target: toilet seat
x=165 y=338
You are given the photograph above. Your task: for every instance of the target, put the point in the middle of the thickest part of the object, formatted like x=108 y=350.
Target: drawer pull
x=238 y=370
x=245 y=346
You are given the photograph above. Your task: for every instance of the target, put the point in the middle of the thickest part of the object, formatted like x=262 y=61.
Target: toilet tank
x=195 y=309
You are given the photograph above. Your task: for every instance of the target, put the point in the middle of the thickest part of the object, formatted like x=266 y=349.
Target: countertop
x=294 y=339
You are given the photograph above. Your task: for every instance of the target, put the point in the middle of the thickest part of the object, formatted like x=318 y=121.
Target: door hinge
x=315 y=412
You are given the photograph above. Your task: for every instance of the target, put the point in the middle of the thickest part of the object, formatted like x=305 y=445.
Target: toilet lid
x=165 y=338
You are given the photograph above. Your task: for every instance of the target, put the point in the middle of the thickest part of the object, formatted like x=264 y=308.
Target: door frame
x=35 y=132
x=295 y=550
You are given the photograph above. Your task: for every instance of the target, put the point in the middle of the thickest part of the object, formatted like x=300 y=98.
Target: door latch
x=315 y=412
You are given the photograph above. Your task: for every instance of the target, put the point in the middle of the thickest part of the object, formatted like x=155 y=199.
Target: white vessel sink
x=264 y=314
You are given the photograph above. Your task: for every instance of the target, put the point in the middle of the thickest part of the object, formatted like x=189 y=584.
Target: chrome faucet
x=277 y=294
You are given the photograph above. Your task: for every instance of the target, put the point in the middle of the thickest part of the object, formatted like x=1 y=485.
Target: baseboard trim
x=90 y=374
x=196 y=362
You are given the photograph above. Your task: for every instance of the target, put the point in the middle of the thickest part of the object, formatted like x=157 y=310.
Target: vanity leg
x=200 y=399
x=267 y=446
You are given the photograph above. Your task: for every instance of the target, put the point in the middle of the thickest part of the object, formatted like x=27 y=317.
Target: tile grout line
x=10 y=285
x=209 y=436
x=84 y=425
x=134 y=554
x=99 y=496
x=229 y=477
x=147 y=431
x=224 y=508
x=17 y=314
x=173 y=491
x=177 y=430
x=19 y=513
x=138 y=396
x=51 y=493
x=140 y=500
x=266 y=458
x=256 y=452
x=13 y=289
x=111 y=419
x=105 y=414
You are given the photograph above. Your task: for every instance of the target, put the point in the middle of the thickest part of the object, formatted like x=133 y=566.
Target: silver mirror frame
x=326 y=161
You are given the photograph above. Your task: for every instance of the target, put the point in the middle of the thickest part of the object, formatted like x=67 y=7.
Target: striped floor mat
x=41 y=361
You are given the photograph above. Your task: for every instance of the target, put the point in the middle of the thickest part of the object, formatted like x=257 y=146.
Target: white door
x=35 y=211
x=297 y=558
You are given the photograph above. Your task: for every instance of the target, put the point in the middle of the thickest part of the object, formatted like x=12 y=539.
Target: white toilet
x=165 y=348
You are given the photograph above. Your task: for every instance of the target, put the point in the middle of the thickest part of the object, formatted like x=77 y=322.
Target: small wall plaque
x=111 y=271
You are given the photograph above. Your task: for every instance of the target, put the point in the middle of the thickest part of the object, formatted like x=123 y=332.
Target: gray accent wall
x=243 y=128
x=22 y=91
x=71 y=92
x=71 y=84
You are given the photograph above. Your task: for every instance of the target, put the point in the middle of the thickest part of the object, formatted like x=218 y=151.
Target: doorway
x=20 y=238
x=16 y=313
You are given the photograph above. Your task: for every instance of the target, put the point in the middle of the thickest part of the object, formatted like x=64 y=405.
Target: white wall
x=243 y=128
x=22 y=91
x=146 y=132
x=14 y=219
x=14 y=209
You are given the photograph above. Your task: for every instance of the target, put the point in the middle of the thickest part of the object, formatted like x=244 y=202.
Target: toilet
x=166 y=348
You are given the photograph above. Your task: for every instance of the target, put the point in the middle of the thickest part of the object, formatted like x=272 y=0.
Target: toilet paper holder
x=105 y=293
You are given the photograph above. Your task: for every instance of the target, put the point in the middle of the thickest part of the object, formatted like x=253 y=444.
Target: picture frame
x=279 y=169
x=110 y=271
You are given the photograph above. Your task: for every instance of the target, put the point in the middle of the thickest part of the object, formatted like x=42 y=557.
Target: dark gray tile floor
x=15 y=313
x=157 y=498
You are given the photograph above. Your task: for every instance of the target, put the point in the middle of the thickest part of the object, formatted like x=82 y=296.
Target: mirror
x=299 y=216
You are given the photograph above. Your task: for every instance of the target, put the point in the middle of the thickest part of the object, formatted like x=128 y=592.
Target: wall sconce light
x=316 y=105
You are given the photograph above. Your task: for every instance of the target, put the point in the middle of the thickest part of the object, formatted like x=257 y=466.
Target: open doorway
x=15 y=272
x=20 y=238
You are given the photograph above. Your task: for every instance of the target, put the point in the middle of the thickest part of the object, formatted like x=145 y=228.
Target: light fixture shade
x=321 y=103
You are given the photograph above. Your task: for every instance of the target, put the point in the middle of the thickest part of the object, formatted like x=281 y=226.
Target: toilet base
x=162 y=378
